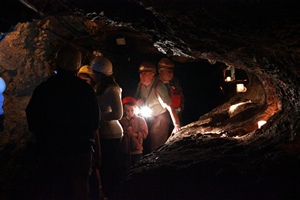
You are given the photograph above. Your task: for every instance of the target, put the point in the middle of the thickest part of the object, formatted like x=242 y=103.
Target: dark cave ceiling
x=220 y=156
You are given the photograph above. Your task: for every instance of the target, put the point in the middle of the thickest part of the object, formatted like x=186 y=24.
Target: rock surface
x=223 y=155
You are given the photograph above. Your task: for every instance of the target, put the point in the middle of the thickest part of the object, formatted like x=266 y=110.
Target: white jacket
x=112 y=110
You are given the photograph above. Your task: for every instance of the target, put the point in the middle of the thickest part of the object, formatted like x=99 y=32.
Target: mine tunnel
x=238 y=63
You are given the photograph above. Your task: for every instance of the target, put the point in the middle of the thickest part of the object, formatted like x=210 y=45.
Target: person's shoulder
x=159 y=84
x=114 y=88
x=47 y=82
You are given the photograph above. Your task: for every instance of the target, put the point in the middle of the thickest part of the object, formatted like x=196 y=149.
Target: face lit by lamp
x=146 y=77
x=86 y=77
x=166 y=74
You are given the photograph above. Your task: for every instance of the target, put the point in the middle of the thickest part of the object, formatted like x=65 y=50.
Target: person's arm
x=166 y=102
x=174 y=117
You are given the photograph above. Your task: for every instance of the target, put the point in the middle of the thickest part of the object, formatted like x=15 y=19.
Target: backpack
x=175 y=97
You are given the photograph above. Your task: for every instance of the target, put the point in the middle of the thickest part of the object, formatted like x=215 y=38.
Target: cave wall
x=260 y=38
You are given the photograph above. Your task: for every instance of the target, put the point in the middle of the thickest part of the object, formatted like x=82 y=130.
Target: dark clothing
x=64 y=177
x=63 y=113
x=111 y=172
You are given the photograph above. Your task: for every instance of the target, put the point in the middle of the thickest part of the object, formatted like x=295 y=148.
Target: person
x=2 y=89
x=95 y=184
x=64 y=123
x=152 y=94
x=166 y=75
x=86 y=73
x=109 y=98
x=135 y=131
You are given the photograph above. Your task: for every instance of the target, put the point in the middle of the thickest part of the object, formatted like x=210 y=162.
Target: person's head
x=165 y=69
x=101 y=66
x=86 y=73
x=68 y=58
x=147 y=72
x=103 y=74
x=130 y=106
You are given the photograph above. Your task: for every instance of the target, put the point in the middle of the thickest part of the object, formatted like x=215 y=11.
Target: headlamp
x=145 y=111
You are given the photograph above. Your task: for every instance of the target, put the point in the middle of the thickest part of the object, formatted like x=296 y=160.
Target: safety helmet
x=103 y=65
x=129 y=99
x=68 y=57
x=147 y=66
x=85 y=69
x=165 y=63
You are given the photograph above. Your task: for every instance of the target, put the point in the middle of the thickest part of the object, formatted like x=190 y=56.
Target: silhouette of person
x=63 y=114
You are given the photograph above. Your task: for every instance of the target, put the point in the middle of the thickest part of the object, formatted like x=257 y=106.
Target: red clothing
x=130 y=144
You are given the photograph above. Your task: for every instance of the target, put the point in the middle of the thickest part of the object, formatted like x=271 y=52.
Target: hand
x=136 y=135
x=129 y=129
x=139 y=102
x=176 y=129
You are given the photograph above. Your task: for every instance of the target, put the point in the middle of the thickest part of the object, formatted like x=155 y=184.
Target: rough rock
x=223 y=155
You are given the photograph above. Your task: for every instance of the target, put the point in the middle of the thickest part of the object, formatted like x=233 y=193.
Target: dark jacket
x=63 y=113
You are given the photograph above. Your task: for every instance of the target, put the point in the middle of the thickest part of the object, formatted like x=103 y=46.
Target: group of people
x=84 y=128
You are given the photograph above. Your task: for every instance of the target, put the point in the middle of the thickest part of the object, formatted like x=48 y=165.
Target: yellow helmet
x=85 y=69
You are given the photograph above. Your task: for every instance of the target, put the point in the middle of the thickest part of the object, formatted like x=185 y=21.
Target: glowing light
x=228 y=79
x=145 y=111
x=240 y=87
x=261 y=123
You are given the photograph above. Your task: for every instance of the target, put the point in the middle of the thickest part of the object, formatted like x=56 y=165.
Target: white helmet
x=103 y=65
